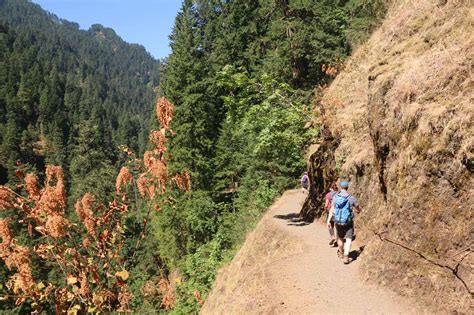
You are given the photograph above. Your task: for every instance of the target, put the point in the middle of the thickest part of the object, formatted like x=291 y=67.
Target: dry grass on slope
x=404 y=111
x=240 y=287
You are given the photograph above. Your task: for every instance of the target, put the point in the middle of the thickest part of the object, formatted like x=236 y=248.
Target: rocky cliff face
x=398 y=124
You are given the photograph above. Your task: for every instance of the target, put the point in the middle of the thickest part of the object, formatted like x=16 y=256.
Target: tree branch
x=425 y=257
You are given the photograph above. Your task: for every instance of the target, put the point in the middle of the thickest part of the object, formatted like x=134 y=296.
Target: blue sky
x=145 y=22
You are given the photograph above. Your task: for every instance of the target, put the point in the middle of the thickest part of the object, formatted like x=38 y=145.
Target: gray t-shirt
x=343 y=193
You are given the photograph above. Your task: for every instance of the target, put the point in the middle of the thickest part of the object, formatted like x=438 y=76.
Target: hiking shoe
x=332 y=242
x=346 y=260
x=340 y=254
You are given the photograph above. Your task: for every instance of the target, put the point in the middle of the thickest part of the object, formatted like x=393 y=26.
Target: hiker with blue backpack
x=342 y=211
x=305 y=182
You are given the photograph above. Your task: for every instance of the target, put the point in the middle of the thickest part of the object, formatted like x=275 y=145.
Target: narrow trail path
x=287 y=267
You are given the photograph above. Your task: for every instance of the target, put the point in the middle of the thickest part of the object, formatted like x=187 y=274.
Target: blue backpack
x=342 y=210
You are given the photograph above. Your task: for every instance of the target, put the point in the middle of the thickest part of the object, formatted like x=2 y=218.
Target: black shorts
x=345 y=231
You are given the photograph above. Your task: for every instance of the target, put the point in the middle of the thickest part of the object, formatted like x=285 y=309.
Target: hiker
x=305 y=182
x=343 y=206
x=327 y=207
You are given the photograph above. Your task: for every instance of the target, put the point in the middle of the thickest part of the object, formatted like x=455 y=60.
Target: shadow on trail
x=292 y=218
x=289 y=216
x=298 y=224
x=354 y=254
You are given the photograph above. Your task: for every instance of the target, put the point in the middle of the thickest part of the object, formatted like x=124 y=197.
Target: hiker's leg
x=331 y=230
x=340 y=240
x=353 y=231
x=340 y=245
x=347 y=246
x=332 y=234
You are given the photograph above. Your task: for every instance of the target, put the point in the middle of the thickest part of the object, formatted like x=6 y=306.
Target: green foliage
x=263 y=133
x=364 y=16
x=303 y=36
x=185 y=225
x=89 y=167
x=199 y=270
x=148 y=264
x=185 y=85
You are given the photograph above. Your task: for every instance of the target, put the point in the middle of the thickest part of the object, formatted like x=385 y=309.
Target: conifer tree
x=90 y=168
x=240 y=25
x=303 y=36
x=185 y=86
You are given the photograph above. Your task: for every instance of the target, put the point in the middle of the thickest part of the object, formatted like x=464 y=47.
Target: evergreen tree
x=90 y=169
x=184 y=85
x=304 y=36
x=240 y=26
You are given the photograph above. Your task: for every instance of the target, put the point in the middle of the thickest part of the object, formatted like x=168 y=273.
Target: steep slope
x=398 y=123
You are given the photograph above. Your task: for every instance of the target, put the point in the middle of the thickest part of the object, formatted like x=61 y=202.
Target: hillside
x=398 y=124
x=66 y=92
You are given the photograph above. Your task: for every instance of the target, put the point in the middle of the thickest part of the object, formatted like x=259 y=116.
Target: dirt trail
x=287 y=267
